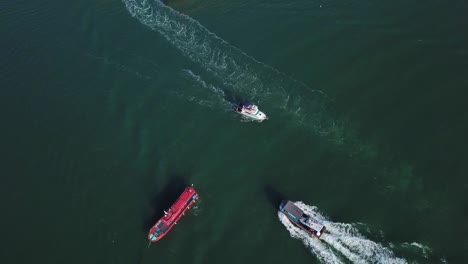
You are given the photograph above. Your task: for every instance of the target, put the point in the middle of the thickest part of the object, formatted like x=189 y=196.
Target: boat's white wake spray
x=340 y=242
x=238 y=71
x=199 y=44
x=243 y=74
x=216 y=94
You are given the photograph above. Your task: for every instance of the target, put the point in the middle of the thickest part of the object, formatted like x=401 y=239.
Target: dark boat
x=300 y=219
x=170 y=218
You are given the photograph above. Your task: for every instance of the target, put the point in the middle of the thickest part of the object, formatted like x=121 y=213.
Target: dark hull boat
x=170 y=218
x=300 y=219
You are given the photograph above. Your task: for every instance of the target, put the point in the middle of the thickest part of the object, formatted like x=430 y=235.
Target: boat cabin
x=292 y=210
x=160 y=228
x=299 y=217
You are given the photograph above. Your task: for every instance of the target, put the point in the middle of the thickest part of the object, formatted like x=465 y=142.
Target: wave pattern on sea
x=341 y=243
x=215 y=99
x=239 y=72
x=277 y=94
x=242 y=75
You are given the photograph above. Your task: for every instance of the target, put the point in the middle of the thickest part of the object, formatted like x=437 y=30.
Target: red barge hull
x=170 y=218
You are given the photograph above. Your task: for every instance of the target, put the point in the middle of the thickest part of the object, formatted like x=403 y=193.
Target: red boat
x=170 y=218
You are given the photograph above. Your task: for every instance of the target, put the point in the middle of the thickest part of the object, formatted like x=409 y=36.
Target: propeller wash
x=340 y=243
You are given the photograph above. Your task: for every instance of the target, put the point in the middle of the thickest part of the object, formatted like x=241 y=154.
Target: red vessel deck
x=170 y=218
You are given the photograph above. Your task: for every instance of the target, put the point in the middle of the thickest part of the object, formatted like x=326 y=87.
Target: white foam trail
x=220 y=93
x=196 y=42
x=425 y=250
x=321 y=250
x=237 y=70
x=215 y=99
x=342 y=238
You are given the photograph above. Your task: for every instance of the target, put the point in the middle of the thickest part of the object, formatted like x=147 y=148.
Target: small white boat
x=251 y=111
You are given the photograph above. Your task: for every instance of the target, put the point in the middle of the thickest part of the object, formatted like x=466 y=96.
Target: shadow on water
x=231 y=98
x=164 y=199
x=273 y=196
x=235 y=99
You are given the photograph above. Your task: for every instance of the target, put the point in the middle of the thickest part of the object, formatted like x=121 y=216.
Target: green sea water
x=109 y=108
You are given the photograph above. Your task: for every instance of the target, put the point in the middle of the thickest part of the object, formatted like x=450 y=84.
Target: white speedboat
x=251 y=111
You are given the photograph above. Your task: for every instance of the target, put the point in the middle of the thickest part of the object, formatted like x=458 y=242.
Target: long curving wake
x=341 y=242
x=239 y=72
x=243 y=75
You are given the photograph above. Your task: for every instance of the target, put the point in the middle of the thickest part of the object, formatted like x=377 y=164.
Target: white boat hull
x=259 y=116
x=251 y=111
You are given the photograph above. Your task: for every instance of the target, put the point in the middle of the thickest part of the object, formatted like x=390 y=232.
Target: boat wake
x=217 y=91
x=237 y=71
x=340 y=243
x=199 y=44
x=215 y=98
x=242 y=75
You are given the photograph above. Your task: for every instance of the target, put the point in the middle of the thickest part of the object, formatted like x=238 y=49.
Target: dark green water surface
x=109 y=108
